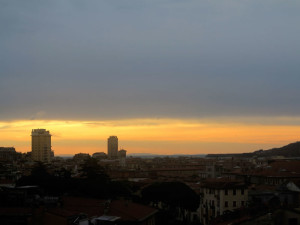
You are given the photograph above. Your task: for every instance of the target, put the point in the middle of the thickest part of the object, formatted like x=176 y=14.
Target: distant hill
x=150 y=155
x=290 y=150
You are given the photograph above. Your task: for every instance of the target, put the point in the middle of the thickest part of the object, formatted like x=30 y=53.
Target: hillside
x=290 y=150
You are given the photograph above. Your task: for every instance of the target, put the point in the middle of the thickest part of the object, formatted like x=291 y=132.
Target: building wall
x=112 y=147
x=7 y=153
x=215 y=201
x=41 y=145
x=239 y=196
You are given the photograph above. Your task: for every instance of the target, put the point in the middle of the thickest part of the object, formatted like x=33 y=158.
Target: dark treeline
x=92 y=182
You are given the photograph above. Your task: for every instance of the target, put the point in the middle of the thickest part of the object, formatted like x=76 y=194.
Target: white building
x=219 y=196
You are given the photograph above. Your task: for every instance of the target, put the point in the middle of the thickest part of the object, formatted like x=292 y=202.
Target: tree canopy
x=90 y=169
x=174 y=194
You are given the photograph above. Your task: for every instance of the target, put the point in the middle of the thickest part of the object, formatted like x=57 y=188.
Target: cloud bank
x=133 y=59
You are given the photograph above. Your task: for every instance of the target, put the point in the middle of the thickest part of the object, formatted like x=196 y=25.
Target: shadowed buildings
x=99 y=212
x=122 y=157
x=99 y=155
x=7 y=153
x=41 y=145
x=112 y=147
x=113 y=153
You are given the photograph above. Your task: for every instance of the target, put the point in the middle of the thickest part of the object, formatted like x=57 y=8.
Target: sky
x=165 y=76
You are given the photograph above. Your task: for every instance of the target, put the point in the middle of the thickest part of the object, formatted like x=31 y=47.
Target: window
x=242 y=203
x=234 y=192
x=234 y=204
x=226 y=204
x=226 y=192
x=242 y=191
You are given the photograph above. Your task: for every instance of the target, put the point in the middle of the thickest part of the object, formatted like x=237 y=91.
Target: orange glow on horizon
x=139 y=135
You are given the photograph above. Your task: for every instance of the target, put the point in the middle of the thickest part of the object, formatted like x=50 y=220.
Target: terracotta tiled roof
x=272 y=173
x=64 y=212
x=6 y=181
x=222 y=183
x=263 y=187
x=292 y=165
x=128 y=211
x=194 y=186
x=176 y=169
x=15 y=211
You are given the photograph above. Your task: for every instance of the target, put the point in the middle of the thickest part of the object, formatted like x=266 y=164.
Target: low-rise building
x=81 y=157
x=219 y=196
x=122 y=157
x=7 y=153
x=99 y=155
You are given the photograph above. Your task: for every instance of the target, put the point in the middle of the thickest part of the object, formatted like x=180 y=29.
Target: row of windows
x=234 y=191
x=234 y=204
x=226 y=203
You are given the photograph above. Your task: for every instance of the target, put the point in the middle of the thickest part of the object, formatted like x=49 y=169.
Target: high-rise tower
x=41 y=145
x=112 y=147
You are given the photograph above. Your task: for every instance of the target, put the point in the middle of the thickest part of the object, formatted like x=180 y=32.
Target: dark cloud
x=120 y=59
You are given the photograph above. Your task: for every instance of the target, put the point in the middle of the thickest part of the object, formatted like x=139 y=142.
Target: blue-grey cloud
x=132 y=58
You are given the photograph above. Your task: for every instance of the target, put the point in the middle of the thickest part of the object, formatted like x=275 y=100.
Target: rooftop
x=126 y=210
x=222 y=183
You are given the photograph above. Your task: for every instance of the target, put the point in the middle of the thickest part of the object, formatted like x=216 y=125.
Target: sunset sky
x=165 y=76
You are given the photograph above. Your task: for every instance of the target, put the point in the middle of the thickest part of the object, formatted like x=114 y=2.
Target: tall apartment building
x=112 y=147
x=41 y=145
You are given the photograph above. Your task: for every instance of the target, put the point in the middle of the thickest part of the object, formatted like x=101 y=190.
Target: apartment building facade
x=41 y=145
x=219 y=196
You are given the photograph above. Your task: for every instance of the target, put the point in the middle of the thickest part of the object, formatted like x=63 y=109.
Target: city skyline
x=93 y=137
x=167 y=77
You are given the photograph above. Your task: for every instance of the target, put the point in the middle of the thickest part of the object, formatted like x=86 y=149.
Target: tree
x=173 y=194
x=90 y=169
x=94 y=182
x=49 y=183
x=39 y=176
x=40 y=171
